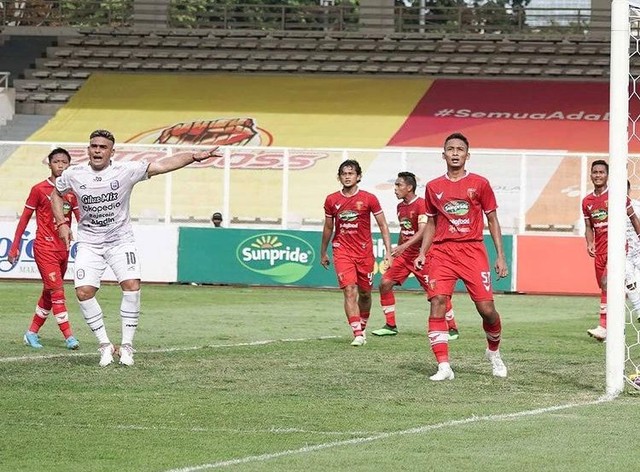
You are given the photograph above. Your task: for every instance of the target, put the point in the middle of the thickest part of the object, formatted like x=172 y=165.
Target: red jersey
x=459 y=206
x=39 y=199
x=409 y=216
x=352 y=217
x=595 y=209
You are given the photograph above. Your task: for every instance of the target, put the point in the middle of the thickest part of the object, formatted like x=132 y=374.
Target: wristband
x=60 y=224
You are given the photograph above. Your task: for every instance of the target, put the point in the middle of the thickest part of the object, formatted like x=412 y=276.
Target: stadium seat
x=190 y=66
x=370 y=68
x=50 y=86
x=60 y=74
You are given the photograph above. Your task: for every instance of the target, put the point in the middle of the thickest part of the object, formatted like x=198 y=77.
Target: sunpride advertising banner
x=278 y=257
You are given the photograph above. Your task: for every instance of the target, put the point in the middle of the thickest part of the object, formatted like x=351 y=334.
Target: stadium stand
x=68 y=63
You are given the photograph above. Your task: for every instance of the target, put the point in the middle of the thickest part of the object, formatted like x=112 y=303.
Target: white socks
x=129 y=313
x=92 y=314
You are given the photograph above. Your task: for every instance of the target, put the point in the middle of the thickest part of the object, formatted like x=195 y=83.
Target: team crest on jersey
x=457 y=207
x=348 y=215
x=359 y=205
x=599 y=214
x=472 y=194
x=115 y=185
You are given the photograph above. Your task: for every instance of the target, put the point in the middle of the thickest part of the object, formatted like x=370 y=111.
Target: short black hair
x=459 y=136
x=216 y=216
x=410 y=178
x=103 y=133
x=58 y=150
x=600 y=162
x=350 y=163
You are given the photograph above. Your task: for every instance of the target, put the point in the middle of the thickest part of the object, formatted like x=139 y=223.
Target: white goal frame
x=618 y=155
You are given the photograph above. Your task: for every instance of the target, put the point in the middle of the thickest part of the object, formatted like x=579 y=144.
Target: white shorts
x=92 y=261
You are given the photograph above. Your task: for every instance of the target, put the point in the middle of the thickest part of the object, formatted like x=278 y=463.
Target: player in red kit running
x=455 y=204
x=595 y=208
x=51 y=254
x=349 y=213
x=413 y=219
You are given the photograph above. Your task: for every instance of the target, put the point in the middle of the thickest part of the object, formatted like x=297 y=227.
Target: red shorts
x=600 y=263
x=449 y=261
x=354 y=271
x=52 y=266
x=402 y=267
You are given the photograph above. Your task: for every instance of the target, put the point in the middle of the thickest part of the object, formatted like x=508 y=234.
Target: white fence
x=285 y=187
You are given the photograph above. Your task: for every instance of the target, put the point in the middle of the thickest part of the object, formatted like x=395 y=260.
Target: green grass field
x=256 y=379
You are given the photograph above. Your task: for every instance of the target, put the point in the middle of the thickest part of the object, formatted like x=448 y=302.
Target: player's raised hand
x=207 y=154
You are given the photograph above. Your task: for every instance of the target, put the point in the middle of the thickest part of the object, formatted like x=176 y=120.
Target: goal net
x=632 y=317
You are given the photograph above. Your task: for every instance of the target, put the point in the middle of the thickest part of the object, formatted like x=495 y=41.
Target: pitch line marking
x=165 y=350
x=381 y=436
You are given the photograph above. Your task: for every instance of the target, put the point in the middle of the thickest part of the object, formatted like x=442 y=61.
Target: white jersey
x=633 y=242
x=103 y=200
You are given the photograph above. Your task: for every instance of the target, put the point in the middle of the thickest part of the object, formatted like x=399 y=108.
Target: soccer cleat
x=359 y=341
x=453 y=334
x=126 y=354
x=106 y=354
x=72 y=343
x=32 y=340
x=444 y=373
x=386 y=330
x=598 y=332
x=498 y=367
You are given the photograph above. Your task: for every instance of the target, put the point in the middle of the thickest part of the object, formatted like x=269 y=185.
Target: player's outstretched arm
x=181 y=160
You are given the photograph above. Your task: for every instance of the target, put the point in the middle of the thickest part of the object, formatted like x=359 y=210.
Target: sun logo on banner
x=280 y=257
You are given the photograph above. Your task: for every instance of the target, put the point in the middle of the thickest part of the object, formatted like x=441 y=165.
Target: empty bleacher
x=71 y=61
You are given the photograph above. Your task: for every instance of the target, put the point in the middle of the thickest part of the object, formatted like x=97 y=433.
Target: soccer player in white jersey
x=105 y=236
x=633 y=258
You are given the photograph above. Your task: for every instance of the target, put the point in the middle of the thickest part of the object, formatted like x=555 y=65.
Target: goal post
x=618 y=155
x=625 y=17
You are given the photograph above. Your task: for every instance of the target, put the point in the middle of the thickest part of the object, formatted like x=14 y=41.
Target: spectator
x=216 y=219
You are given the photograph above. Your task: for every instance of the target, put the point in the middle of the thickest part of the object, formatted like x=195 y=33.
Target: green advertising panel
x=262 y=257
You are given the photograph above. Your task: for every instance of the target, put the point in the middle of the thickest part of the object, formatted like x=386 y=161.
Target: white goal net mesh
x=632 y=319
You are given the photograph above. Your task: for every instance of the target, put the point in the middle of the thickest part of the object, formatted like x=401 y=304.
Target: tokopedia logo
x=281 y=257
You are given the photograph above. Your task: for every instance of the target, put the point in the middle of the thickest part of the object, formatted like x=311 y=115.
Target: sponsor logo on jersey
x=599 y=214
x=457 y=207
x=348 y=216
x=406 y=224
x=280 y=257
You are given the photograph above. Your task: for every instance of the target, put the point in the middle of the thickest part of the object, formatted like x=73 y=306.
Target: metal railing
x=4 y=81
x=342 y=17
x=535 y=190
